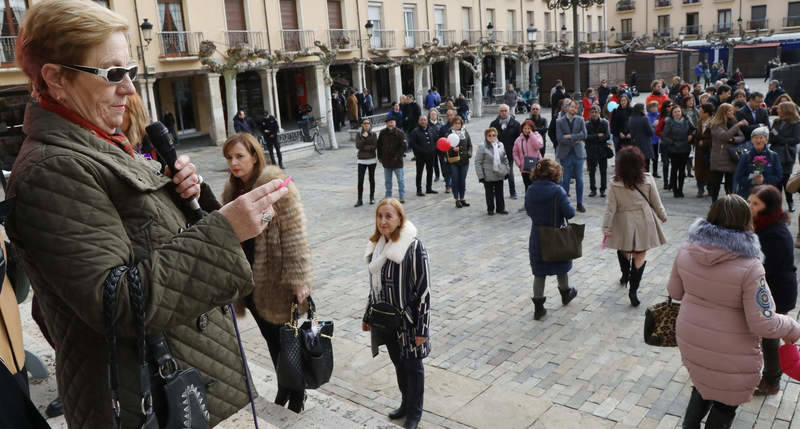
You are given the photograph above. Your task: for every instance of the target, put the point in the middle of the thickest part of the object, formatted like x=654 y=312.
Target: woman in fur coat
x=400 y=294
x=280 y=256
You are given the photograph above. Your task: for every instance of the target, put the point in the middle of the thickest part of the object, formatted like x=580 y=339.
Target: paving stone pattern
x=584 y=366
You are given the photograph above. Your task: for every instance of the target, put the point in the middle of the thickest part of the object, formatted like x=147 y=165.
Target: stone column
x=266 y=90
x=145 y=91
x=276 y=104
x=231 y=103
x=358 y=76
x=522 y=74
x=214 y=116
x=500 y=73
x=318 y=92
x=395 y=84
x=419 y=88
x=363 y=75
x=455 y=78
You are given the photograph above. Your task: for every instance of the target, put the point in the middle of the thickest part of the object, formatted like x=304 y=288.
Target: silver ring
x=199 y=179
x=266 y=217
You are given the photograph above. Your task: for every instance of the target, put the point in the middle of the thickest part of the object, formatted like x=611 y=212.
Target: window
x=512 y=22
x=724 y=22
x=234 y=15
x=375 y=14
x=600 y=25
x=103 y=3
x=490 y=17
x=466 y=18
x=547 y=22
x=589 y=23
x=626 y=29
x=758 y=18
x=12 y=12
x=335 y=14
x=439 y=23
x=409 y=22
x=663 y=26
x=793 y=17
x=173 y=32
x=692 y=23
x=530 y=17
x=562 y=20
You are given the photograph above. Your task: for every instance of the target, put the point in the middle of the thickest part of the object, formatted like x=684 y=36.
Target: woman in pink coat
x=726 y=308
x=527 y=145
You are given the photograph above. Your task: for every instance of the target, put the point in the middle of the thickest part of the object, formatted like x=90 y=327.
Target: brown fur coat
x=282 y=255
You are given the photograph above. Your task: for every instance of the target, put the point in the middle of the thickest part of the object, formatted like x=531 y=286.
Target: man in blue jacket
x=571 y=151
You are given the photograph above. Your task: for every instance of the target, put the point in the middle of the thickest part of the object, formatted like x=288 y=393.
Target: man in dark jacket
x=603 y=92
x=774 y=92
x=555 y=100
x=269 y=127
x=337 y=104
x=444 y=131
x=508 y=130
x=242 y=124
x=753 y=113
x=597 y=135
x=391 y=147
x=423 y=142
x=723 y=95
x=540 y=122
x=571 y=151
x=413 y=113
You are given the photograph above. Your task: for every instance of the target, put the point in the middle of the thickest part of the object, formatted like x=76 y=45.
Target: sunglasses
x=114 y=74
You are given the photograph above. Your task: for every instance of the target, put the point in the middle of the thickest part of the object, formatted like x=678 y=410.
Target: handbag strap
x=136 y=295
x=110 y=287
x=643 y=196
x=555 y=212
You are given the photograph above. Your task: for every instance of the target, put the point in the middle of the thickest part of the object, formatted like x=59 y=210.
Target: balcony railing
x=7 y=56
x=516 y=37
x=343 y=39
x=691 y=1
x=692 y=30
x=297 y=40
x=626 y=35
x=471 y=36
x=497 y=36
x=253 y=39
x=550 y=36
x=663 y=3
x=446 y=37
x=723 y=28
x=665 y=32
x=180 y=43
x=415 y=38
x=626 y=5
x=791 y=21
x=758 y=24
x=382 y=39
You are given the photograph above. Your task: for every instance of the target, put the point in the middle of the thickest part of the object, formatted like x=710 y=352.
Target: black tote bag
x=559 y=244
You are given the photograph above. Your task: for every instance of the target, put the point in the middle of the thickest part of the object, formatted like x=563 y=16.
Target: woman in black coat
x=783 y=140
x=771 y=226
x=641 y=132
x=619 y=123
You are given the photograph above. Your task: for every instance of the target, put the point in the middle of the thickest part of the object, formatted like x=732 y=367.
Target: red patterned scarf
x=761 y=223
x=117 y=139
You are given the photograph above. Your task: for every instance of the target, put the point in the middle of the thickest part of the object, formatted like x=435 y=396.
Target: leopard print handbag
x=659 y=324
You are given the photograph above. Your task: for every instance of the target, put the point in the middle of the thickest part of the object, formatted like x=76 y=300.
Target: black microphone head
x=162 y=142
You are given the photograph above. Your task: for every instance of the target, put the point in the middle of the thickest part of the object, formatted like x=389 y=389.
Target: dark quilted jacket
x=85 y=206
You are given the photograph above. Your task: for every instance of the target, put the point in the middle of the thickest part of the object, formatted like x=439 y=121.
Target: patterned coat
x=405 y=273
x=282 y=257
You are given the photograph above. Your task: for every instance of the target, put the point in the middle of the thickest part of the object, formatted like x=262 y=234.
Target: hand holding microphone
x=188 y=183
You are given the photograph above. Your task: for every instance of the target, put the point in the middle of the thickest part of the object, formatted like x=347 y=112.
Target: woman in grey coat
x=641 y=132
x=491 y=165
x=725 y=132
x=676 y=138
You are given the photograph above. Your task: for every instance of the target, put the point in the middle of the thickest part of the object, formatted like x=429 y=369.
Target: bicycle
x=317 y=138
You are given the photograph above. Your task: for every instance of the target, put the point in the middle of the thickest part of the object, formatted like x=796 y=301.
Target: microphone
x=162 y=142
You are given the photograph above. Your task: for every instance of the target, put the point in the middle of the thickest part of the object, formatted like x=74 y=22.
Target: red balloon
x=443 y=144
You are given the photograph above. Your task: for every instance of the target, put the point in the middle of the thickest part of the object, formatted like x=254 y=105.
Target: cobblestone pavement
x=584 y=365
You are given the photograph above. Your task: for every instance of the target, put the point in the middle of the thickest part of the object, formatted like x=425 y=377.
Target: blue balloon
x=612 y=105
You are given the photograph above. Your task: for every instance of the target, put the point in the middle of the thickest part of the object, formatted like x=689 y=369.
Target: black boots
x=635 y=279
x=538 y=308
x=398 y=413
x=568 y=295
x=720 y=417
x=411 y=423
x=624 y=267
x=695 y=411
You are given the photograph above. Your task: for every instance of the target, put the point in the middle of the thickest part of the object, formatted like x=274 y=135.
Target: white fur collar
x=395 y=250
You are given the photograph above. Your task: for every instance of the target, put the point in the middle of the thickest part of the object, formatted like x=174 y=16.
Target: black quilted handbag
x=306 y=356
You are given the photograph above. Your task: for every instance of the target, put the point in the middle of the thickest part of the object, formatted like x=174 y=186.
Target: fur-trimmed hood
x=395 y=250
x=727 y=243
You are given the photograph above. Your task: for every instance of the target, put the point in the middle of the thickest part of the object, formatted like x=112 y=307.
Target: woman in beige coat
x=630 y=224
x=280 y=256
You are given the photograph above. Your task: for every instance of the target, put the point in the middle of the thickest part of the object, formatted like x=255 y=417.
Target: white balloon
x=453 y=139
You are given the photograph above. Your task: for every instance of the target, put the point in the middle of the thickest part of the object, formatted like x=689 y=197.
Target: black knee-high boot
x=624 y=268
x=635 y=279
x=720 y=417
x=695 y=411
x=539 y=311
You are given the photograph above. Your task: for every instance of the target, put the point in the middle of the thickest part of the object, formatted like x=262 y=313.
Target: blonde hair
x=136 y=119
x=251 y=145
x=721 y=117
x=731 y=212
x=789 y=109
x=62 y=32
x=400 y=212
x=489 y=130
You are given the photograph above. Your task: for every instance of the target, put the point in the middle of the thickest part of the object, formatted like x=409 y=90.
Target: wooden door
x=334 y=14
x=289 y=15
x=234 y=15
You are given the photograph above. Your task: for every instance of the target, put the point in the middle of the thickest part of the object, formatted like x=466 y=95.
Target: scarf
x=117 y=139
x=498 y=162
x=376 y=264
x=762 y=222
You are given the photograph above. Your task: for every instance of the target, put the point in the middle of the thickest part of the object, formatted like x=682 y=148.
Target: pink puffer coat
x=726 y=307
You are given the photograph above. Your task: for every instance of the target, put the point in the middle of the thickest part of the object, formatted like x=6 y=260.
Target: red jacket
x=660 y=98
x=587 y=104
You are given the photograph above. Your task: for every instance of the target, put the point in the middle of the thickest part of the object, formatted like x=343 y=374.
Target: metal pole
x=534 y=70
x=680 y=61
x=576 y=51
x=605 y=26
x=144 y=61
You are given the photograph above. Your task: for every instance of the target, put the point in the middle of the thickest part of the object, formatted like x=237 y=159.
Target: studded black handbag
x=306 y=357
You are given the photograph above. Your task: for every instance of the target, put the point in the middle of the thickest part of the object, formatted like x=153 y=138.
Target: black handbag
x=609 y=152
x=385 y=316
x=178 y=400
x=736 y=151
x=306 y=356
x=529 y=162
x=560 y=244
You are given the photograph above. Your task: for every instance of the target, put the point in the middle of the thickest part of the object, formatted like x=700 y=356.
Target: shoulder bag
x=659 y=324
x=562 y=243
x=736 y=151
x=645 y=198
x=529 y=162
x=306 y=356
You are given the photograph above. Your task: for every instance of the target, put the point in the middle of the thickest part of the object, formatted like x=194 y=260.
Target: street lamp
x=490 y=31
x=612 y=30
x=534 y=63
x=370 y=31
x=563 y=31
x=681 y=35
x=147 y=31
